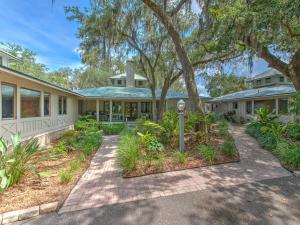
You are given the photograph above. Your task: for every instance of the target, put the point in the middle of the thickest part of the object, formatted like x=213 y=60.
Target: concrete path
x=102 y=184
x=268 y=202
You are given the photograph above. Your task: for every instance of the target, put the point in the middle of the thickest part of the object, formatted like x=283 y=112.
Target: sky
x=43 y=28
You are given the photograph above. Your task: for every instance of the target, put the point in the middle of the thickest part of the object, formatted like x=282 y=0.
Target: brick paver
x=102 y=184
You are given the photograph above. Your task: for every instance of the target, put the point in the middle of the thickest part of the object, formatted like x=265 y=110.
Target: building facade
x=269 y=89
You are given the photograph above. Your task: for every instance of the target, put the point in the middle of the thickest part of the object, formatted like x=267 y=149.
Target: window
x=235 y=105
x=1 y=61
x=249 y=107
x=140 y=83
x=281 y=79
x=283 y=106
x=268 y=80
x=8 y=93
x=271 y=104
x=46 y=104
x=117 y=107
x=62 y=105
x=145 y=107
x=30 y=103
x=119 y=82
x=258 y=82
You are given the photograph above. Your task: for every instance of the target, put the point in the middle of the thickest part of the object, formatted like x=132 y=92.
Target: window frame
x=64 y=110
x=49 y=102
x=40 y=112
x=14 y=103
x=287 y=106
x=235 y=105
x=248 y=113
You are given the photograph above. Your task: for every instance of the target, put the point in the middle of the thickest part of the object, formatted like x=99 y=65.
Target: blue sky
x=43 y=28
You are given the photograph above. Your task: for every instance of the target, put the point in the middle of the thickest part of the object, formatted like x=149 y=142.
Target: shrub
x=128 y=151
x=289 y=154
x=147 y=126
x=17 y=162
x=229 y=148
x=179 y=157
x=87 y=123
x=223 y=127
x=112 y=129
x=293 y=130
x=171 y=127
x=75 y=165
x=65 y=176
x=207 y=152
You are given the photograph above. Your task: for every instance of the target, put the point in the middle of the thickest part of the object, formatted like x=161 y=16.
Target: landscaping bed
x=283 y=140
x=153 y=148
x=49 y=174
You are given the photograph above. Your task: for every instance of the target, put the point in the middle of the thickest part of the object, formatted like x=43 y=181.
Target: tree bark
x=188 y=70
x=291 y=70
x=162 y=100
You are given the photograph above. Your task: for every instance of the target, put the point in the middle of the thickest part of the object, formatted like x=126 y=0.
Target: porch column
x=110 y=110
x=252 y=110
x=18 y=103
x=97 y=109
x=123 y=110
x=277 y=105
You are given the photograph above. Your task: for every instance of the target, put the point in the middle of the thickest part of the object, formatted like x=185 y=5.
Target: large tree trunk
x=188 y=70
x=154 y=117
x=162 y=100
x=291 y=70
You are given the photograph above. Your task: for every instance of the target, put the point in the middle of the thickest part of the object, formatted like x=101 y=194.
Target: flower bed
x=49 y=174
x=283 y=140
x=153 y=148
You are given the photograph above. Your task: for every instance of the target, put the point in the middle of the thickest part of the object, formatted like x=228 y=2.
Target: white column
x=277 y=105
x=97 y=109
x=110 y=110
x=42 y=104
x=252 y=111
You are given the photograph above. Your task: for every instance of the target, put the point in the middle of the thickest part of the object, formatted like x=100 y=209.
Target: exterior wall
x=43 y=126
x=267 y=81
x=240 y=112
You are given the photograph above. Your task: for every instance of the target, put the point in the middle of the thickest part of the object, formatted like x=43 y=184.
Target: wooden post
x=42 y=113
x=97 y=109
x=110 y=111
x=139 y=109
x=123 y=110
x=252 y=110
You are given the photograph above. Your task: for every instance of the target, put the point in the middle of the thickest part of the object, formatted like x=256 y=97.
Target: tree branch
x=177 y=8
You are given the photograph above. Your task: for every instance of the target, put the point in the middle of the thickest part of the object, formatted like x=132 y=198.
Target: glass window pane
x=117 y=107
x=283 y=106
x=249 y=107
x=8 y=101
x=30 y=103
x=46 y=104
x=59 y=105
x=64 y=105
x=271 y=104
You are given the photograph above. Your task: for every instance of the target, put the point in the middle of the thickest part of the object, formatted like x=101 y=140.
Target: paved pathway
x=102 y=184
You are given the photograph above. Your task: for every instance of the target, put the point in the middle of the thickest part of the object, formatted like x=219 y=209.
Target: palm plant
x=16 y=162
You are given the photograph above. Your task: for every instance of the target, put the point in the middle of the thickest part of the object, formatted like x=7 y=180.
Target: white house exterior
x=35 y=107
x=271 y=89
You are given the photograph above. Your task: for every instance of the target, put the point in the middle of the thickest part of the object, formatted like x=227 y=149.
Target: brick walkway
x=102 y=184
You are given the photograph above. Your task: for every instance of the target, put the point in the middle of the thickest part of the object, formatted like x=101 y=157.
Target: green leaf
x=16 y=139
x=3 y=146
x=45 y=174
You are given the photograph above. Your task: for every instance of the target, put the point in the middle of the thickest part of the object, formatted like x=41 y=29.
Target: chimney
x=129 y=73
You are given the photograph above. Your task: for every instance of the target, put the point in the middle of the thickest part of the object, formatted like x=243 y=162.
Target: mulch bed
x=33 y=190
x=193 y=159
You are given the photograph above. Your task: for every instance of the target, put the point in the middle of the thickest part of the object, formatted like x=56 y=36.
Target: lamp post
x=180 y=109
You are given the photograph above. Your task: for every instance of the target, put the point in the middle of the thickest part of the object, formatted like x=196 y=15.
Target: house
x=38 y=108
x=268 y=89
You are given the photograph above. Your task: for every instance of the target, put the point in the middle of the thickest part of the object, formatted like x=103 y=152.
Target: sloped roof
x=268 y=73
x=126 y=93
x=123 y=76
x=257 y=92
